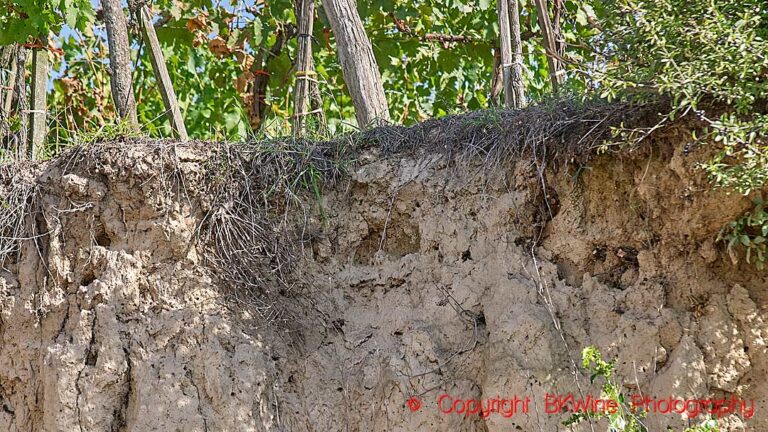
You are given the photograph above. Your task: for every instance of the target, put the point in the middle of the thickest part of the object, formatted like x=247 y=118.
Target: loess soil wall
x=415 y=276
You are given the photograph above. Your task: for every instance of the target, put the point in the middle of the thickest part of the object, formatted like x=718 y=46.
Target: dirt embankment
x=417 y=276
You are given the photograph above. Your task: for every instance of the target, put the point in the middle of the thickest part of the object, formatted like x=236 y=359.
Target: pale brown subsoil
x=418 y=277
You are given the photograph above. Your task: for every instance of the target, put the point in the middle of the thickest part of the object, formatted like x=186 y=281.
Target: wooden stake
x=516 y=70
x=305 y=69
x=497 y=78
x=502 y=7
x=511 y=65
x=542 y=14
x=38 y=124
x=161 y=73
x=8 y=61
x=22 y=103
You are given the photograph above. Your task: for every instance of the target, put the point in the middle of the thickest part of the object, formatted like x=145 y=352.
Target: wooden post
x=7 y=62
x=11 y=85
x=120 y=62
x=7 y=86
x=516 y=70
x=22 y=103
x=555 y=74
x=358 y=65
x=161 y=73
x=505 y=39
x=497 y=78
x=511 y=64
x=305 y=69
x=38 y=121
x=557 y=29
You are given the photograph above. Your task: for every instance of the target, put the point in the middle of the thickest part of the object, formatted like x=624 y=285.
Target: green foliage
x=750 y=232
x=707 y=426
x=592 y=359
x=620 y=419
x=742 y=164
x=687 y=49
x=216 y=49
x=699 y=54
x=623 y=418
x=25 y=19
x=427 y=78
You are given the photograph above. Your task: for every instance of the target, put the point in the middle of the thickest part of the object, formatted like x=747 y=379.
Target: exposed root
x=258 y=214
x=17 y=188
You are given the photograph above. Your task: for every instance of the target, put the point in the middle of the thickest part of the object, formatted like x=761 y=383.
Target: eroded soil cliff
x=415 y=276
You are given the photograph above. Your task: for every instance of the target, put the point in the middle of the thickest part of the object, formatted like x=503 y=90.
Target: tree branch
x=444 y=39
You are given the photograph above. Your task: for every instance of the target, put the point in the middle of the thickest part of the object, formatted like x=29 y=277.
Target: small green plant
x=61 y=138
x=750 y=232
x=709 y=425
x=108 y=132
x=622 y=418
x=488 y=118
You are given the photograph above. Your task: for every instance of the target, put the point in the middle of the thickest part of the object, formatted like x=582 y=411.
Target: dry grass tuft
x=556 y=131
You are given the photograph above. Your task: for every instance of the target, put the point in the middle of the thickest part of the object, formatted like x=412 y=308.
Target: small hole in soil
x=90 y=359
x=466 y=255
x=102 y=239
x=87 y=279
x=480 y=319
x=339 y=323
